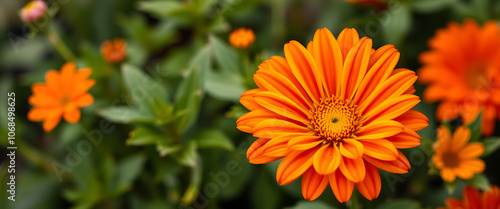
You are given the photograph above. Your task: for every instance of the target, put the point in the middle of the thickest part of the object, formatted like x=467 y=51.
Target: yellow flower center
x=450 y=159
x=477 y=77
x=335 y=120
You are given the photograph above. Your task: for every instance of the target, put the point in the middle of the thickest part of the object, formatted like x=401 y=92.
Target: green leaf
x=164 y=147
x=163 y=111
x=160 y=8
x=303 y=204
x=479 y=181
x=188 y=155
x=145 y=135
x=127 y=171
x=224 y=86
x=225 y=56
x=398 y=204
x=450 y=186
x=142 y=88
x=188 y=100
x=475 y=128
x=398 y=25
x=209 y=138
x=429 y=6
x=125 y=114
x=490 y=145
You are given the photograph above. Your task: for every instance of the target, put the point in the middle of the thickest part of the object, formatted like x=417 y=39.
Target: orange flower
x=335 y=112
x=241 y=37
x=473 y=200
x=455 y=157
x=114 y=51
x=33 y=11
x=61 y=96
x=463 y=72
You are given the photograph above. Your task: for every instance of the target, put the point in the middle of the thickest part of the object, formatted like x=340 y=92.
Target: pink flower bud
x=33 y=11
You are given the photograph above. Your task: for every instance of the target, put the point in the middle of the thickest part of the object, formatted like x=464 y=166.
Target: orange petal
x=51 y=123
x=392 y=108
x=327 y=54
x=413 y=119
x=355 y=67
x=304 y=142
x=72 y=116
x=277 y=147
x=476 y=165
x=471 y=150
x=313 y=184
x=37 y=114
x=341 y=186
x=353 y=169
x=448 y=175
x=471 y=198
x=249 y=120
x=67 y=75
x=379 y=129
x=246 y=99
x=371 y=185
x=447 y=111
x=460 y=138
x=84 y=100
x=327 y=159
x=453 y=203
x=351 y=148
x=400 y=165
x=256 y=155
x=381 y=149
x=346 y=40
x=406 y=139
x=282 y=105
x=304 y=69
x=294 y=165
x=272 y=128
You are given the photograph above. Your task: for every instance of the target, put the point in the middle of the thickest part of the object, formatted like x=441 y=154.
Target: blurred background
x=180 y=148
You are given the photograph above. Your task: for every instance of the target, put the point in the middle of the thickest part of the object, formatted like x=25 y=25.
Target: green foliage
x=395 y=204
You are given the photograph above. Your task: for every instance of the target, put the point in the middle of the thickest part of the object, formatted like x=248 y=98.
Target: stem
x=61 y=47
x=194 y=185
x=355 y=204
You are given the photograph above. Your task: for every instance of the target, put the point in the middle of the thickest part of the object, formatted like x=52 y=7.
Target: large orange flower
x=335 y=112
x=455 y=157
x=473 y=200
x=463 y=72
x=61 y=96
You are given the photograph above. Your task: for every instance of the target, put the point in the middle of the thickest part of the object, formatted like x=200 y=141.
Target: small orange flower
x=241 y=37
x=61 y=95
x=463 y=72
x=114 y=51
x=336 y=112
x=473 y=200
x=33 y=11
x=455 y=157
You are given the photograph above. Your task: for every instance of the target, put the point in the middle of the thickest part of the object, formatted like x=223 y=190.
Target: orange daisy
x=114 y=51
x=455 y=157
x=336 y=112
x=241 y=37
x=473 y=200
x=61 y=95
x=463 y=72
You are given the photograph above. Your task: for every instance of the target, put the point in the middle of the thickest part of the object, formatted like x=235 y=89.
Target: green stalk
x=61 y=47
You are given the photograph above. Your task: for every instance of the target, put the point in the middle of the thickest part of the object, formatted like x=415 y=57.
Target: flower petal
x=351 y=148
x=392 y=108
x=72 y=116
x=313 y=184
x=346 y=40
x=84 y=100
x=400 y=165
x=328 y=56
x=413 y=119
x=246 y=99
x=294 y=165
x=327 y=159
x=353 y=169
x=355 y=67
x=381 y=149
x=272 y=128
x=51 y=123
x=255 y=152
x=341 y=186
x=282 y=105
x=371 y=185
x=304 y=142
x=471 y=150
x=379 y=129
x=460 y=138
x=406 y=139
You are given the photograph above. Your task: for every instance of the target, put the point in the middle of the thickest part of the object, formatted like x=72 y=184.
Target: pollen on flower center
x=335 y=120
x=65 y=99
x=450 y=159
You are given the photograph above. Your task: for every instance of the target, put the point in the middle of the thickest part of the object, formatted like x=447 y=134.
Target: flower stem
x=61 y=47
x=194 y=185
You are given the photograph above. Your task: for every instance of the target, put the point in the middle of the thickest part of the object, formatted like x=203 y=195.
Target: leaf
x=224 y=86
x=450 y=186
x=475 y=128
x=145 y=135
x=398 y=204
x=142 y=88
x=164 y=147
x=188 y=155
x=303 y=204
x=490 y=145
x=159 y=8
x=123 y=114
x=225 y=56
x=163 y=111
x=429 y=6
x=127 y=171
x=398 y=24
x=212 y=138
x=188 y=100
x=479 y=181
